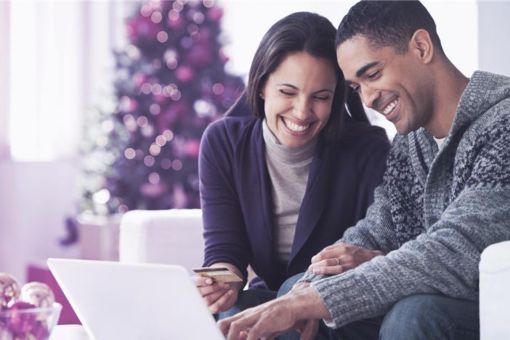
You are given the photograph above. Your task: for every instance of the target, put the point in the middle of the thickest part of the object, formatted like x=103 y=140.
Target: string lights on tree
x=170 y=83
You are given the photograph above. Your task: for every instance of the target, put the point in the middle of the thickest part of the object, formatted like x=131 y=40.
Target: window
x=58 y=54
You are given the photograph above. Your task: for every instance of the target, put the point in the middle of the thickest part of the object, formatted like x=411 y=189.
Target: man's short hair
x=387 y=23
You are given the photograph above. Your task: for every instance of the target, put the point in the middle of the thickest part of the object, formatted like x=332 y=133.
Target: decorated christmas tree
x=170 y=82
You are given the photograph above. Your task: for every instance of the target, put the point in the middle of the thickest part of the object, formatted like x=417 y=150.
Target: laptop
x=119 y=301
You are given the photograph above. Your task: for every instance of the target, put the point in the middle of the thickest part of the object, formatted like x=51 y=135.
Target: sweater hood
x=483 y=91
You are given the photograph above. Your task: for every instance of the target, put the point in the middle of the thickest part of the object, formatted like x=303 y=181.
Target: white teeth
x=295 y=127
x=390 y=107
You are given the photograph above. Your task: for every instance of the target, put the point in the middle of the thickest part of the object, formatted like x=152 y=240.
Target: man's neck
x=450 y=86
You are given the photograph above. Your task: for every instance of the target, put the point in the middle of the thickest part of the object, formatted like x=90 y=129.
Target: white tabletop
x=69 y=332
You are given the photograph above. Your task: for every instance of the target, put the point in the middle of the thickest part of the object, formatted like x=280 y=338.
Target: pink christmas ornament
x=175 y=20
x=139 y=79
x=4 y=332
x=153 y=190
x=192 y=148
x=9 y=290
x=215 y=13
x=142 y=28
x=184 y=73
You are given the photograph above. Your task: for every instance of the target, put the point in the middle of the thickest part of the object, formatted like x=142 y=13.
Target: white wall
x=493 y=35
x=34 y=200
x=246 y=21
x=4 y=77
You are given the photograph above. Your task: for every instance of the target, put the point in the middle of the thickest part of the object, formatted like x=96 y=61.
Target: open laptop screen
x=122 y=301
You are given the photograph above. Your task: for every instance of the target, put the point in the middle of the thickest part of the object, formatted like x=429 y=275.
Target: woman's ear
x=421 y=45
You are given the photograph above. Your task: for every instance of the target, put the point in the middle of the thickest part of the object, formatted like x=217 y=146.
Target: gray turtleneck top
x=288 y=170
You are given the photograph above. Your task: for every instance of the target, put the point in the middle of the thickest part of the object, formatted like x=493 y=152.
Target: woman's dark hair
x=299 y=32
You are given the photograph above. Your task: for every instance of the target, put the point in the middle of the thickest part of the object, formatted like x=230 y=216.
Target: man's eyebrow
x=365 y=68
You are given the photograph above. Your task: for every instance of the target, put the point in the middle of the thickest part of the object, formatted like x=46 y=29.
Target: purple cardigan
x=236 y=200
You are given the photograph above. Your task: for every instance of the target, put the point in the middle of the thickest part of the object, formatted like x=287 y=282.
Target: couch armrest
x=494 y=295
x=162 y=236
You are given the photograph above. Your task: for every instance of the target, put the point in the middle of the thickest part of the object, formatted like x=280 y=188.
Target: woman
x=280 y=185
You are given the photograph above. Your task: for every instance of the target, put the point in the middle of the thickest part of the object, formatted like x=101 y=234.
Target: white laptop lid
x=122 y=301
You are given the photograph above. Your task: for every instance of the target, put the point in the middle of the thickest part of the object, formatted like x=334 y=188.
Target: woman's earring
x=261 y=95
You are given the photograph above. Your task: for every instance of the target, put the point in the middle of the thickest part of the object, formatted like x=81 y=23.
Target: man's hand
x=299 y=309
x=339 y=257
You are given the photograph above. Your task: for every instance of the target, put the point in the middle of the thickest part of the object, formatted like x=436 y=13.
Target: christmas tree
x=170 y=83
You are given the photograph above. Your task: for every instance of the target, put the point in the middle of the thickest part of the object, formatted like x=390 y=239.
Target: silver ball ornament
x=38 y=294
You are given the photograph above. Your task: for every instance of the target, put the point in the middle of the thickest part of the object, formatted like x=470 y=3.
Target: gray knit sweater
x=435 y=211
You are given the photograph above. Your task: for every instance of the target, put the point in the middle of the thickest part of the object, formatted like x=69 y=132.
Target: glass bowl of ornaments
x=29 y=313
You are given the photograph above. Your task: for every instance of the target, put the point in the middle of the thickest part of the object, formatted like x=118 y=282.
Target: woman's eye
x=287 y=93
x=322 y=97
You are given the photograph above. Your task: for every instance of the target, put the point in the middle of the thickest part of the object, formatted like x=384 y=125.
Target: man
x=444 y=198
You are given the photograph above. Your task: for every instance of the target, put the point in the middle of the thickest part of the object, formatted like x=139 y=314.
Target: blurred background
x=102 y=105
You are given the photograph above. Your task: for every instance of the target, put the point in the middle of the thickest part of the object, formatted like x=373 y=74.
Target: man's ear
x=421 y=45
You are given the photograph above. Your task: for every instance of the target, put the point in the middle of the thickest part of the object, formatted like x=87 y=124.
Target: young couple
x=293 y=168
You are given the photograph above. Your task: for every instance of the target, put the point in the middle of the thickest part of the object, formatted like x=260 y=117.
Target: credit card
x=220 y=274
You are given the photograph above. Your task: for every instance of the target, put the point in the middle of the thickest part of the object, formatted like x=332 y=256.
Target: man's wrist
x=308 y=304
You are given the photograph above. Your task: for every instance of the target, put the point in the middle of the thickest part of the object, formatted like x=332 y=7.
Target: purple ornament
x=21 y=321
x=41 y=330
x=199 y=54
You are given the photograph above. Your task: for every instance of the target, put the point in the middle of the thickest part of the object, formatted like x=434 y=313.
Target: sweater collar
x=483 y=91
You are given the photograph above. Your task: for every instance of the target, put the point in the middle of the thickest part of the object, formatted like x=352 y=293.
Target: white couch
x=175 y=236
x=495 y=292
x=162 y=236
